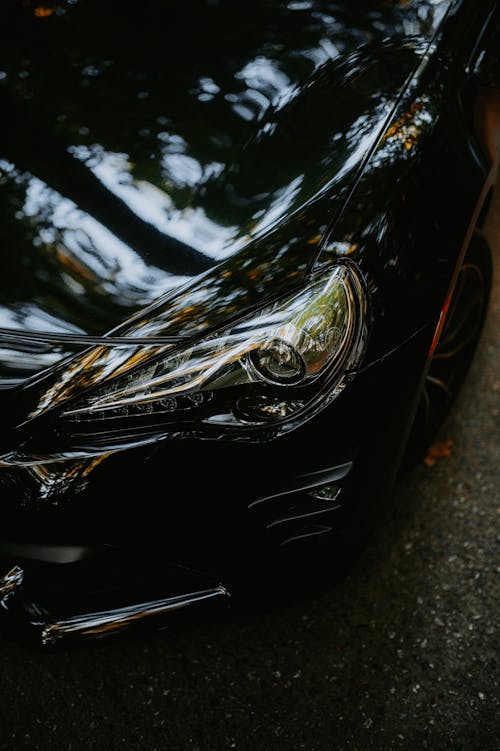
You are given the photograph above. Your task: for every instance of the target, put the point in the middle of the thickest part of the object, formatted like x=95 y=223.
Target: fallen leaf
x=438 y=451
x=42 y=12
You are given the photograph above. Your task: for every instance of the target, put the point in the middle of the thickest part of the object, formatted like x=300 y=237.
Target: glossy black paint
x=163 y=173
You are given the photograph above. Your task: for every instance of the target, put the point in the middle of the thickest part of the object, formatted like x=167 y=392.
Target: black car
x=242 y=277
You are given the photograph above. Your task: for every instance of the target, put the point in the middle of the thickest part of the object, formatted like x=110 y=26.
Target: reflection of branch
x=32 y=147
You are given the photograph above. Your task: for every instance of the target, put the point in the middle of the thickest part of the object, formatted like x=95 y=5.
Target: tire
x=455 y=349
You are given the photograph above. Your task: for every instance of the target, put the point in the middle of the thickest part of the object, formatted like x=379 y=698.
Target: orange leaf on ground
x=42 y=12
x=438 y=451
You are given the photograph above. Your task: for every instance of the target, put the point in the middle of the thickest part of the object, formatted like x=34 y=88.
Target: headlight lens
x=262 y=376
x=279 y=363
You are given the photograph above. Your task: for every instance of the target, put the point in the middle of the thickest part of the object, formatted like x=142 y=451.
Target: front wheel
x=455 y=348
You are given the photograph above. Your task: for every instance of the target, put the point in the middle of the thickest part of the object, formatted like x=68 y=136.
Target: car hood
x=164 y=170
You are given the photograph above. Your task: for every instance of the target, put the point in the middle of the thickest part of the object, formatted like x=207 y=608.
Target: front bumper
x=237 y=511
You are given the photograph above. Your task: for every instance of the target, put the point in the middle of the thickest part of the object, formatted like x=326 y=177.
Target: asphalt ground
x=401 y=654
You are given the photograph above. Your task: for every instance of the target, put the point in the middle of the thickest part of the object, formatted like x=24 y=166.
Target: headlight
x=266 y=368
x=256 y=379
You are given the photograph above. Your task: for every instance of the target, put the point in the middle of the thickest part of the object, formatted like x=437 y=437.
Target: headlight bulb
x=278 y=362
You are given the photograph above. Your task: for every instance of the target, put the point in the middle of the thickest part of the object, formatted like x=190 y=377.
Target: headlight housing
x=307 y=340
x=260 y=377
